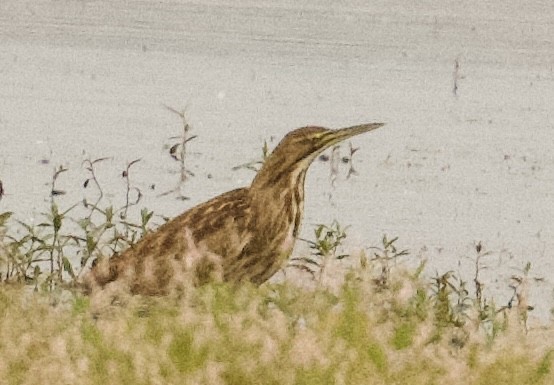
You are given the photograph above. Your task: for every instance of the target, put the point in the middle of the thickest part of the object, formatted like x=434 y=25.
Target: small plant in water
x=327 y=241
x=255 y=165
x=45 y=254
x=178 y=152
x=386 y=256
x=520 y=286
x=448 y=310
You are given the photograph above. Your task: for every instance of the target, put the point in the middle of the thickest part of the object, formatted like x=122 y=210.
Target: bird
x=246 y=234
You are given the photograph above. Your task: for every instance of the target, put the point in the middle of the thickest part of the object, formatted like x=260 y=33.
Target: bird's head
x=298 y=149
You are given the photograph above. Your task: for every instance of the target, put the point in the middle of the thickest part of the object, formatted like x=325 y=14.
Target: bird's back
x=192 y=248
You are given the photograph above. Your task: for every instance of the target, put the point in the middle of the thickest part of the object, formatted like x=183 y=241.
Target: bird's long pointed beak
x=359 y=129
x=332 y=137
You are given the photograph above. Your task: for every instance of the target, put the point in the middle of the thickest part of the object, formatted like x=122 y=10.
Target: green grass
x=275 y=334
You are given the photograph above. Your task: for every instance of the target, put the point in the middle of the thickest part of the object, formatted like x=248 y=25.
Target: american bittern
x=244 y=234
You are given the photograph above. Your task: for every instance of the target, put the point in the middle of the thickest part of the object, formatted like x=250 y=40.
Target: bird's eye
x=318 y=135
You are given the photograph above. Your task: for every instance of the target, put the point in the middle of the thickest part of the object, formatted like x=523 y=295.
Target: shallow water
x=466 y=154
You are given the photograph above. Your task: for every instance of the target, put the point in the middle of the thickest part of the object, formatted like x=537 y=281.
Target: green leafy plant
x=328 y=239
x=45 y=254
x=386 y=257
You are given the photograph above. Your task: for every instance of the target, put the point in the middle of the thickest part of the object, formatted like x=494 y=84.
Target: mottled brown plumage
x=244 y=234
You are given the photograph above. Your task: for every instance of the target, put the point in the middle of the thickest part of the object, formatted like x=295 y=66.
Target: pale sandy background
x=86 y=78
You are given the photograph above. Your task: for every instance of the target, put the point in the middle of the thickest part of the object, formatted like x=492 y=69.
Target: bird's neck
x=282 y=198
x=282 y=170
x=272 y=173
